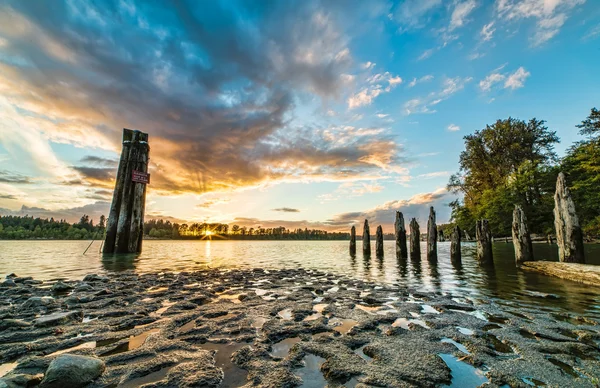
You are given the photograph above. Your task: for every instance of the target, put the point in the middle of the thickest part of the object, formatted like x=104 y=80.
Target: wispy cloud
x=376 y=85
x=416 y=81
x=453 y=128
x=426 y=104
x=512 y=81
x=460 y=14
x=286 y=210
x=517 y=79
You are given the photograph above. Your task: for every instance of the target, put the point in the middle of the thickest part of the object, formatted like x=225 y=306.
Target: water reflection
x=503 y=281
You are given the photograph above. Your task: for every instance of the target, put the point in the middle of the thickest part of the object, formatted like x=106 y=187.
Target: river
x=504 y=283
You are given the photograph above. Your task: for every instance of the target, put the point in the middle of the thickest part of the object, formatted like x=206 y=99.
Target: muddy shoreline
x=284 y=328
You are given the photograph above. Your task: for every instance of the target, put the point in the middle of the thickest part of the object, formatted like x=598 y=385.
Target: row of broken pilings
x=569 y=235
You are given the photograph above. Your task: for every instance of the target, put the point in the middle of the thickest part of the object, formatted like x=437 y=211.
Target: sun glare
x=208 y=233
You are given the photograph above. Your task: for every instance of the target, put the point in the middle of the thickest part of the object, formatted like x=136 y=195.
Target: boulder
x=58 y=318
x=61 y=287
x=74 y=371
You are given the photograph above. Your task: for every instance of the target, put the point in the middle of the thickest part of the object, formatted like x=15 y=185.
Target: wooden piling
x=569 y=235
x=366 y=241
x=455 y=239
x=520 y=237
x=415 y=239
x=483 y=235
x=353 y=241
x=379 y=242
x=431 y=236
x=400 y=231
x=125 y=226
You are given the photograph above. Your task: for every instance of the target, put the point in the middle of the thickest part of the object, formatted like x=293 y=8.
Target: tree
x=506 y=163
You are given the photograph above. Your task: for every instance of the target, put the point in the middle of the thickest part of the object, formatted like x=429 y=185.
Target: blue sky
x=311 y=113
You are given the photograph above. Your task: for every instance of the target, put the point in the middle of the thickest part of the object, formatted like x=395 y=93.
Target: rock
x=11 y=275
x=39 y=301
x=415 y=239
x=61 y=287
x=8 y=283
x=95 y=278
x=22 y=280
x=483 y=236
x=72 y=301
x=353 y=241
x=83 y=287
x=195 y=374
x=431 y=236
x=69 y=370
x=455 y=239
x=379 y=242
x=20 y=380
x=400 y=233
x=569 y=236
x=366 y=239
x=33 y=282
x=520 y=236
x=13 y=323
x=58 y=318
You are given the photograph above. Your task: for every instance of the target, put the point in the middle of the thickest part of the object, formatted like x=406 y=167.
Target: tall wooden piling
x=483 y=235
x=415 y=239
x=379 y=242
x=569 y=235
x=431 y=236
x=353 y=241
x=455 y=237
x=520 y=237
x=366 y=240
x=400 y=232
x=125 y=227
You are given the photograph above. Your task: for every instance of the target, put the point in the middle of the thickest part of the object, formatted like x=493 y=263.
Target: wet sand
x=286 y=328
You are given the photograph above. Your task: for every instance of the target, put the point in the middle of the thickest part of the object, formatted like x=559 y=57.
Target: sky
x=315 y=114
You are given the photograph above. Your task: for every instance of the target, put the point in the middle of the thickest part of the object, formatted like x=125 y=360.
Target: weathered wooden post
x=125 y=227
x=366 y=240
x=483 y=235
x=379 y=242
x=400 y=231
x=353 y=241
x=415 y=239
x=569 y=236
x=431 y=236
x=520 y=236
x=455 y=254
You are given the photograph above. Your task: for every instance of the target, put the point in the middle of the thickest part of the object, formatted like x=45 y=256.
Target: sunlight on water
x=512 y=287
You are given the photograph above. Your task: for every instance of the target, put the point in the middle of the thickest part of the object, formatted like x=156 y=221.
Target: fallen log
x=581 y=273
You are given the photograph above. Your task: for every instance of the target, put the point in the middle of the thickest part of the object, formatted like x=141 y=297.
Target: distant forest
x=27 y=227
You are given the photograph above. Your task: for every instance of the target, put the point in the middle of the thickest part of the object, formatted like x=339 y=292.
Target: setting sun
x=208 y=233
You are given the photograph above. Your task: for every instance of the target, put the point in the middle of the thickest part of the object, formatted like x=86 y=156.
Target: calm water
x=64 y=259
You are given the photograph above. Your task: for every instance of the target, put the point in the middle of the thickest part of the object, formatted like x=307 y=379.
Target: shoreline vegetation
x=280 y=328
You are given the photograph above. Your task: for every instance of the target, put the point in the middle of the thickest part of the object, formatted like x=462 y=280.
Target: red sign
x=140 y=177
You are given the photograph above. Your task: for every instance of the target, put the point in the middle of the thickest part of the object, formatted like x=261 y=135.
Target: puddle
x=85 y=345
x=318 y=299
x=133 y=343
x=465 y=331
x=7 y=368
x=519 y=315
x=427 y=309
x=491 y=326
x=320 y=307
x=261 y=292
x=414 y=315
x=404 y=323
x=311 y=372
x=342 y=325
x=147 y=379
x=286 y=314
x=325 y=334
x=333 y=289
x=527 y=334
x=361 y=353
x=564 y=367
x=463 y=374
x=312 y=317
x=188 y=326
x=497 y=319
x=166 y=304
x=234 y=375
x=259 y=322
x=154 y=290
x=235 y=298
x=458 y=345
x=282 y=348
x=88 y=319
x=498 y=345
x=533 y=382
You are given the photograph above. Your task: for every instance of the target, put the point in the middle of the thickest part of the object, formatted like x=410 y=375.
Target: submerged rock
x=39 y=301
x=73 y=371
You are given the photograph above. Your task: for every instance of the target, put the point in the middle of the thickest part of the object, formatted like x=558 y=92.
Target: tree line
x=28 y=227
x=513 y=162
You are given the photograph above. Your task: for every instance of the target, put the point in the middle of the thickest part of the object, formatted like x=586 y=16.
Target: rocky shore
x=284 y=328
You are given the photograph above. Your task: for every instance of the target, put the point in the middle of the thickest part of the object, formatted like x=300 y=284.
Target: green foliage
x=581 y=165
x=504 y=164
x=23 y=228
